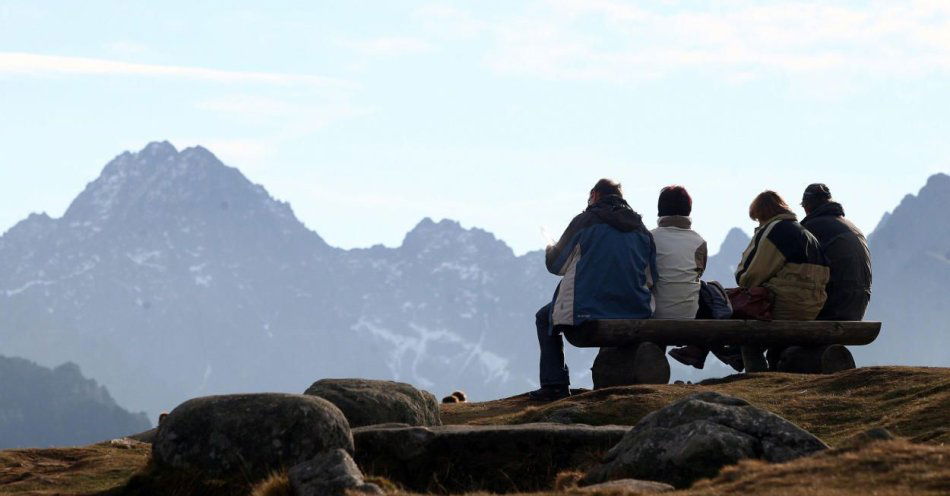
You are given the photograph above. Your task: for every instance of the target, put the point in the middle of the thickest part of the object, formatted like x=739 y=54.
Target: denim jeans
x=553 y=369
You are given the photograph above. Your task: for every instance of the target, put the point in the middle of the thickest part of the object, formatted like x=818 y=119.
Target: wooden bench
x=629 y=347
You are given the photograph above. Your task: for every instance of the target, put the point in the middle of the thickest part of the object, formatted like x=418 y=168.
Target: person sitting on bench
x=846 y=249
x=680 y=256
x=608 y=262
x=787 y=260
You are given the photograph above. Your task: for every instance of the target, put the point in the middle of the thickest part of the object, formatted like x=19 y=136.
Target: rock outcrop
x=370 y=402
x=248 y=434
x=696 y=436
x=460 y=458
x=331 y=473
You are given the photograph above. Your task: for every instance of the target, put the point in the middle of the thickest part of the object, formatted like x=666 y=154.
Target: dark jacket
x=846 y=249
x=608 y=261
x=786 y=259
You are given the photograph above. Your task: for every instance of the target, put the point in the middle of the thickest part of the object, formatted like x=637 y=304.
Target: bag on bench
x=713 y=301
x=751 y=303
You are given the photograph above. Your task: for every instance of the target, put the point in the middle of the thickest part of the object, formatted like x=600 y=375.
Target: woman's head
x=767 y=205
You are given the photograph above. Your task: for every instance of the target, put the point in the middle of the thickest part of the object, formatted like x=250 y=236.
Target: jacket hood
x=831 y=208
x=616 y=213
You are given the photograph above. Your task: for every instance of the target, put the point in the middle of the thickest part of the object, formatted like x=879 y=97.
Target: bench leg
x=645 y=363
x=816 y=360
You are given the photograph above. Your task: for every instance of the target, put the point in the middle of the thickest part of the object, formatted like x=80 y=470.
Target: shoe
x=731 y=356
x=550 y=393
x=753 y=357
x=694 y=356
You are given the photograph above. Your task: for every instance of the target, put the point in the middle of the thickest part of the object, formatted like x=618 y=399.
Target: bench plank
x=610 y=333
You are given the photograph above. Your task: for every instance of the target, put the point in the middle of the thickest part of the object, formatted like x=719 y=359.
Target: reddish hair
x=767 y=205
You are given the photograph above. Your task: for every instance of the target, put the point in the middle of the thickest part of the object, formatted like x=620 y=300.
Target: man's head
x=767 y=205
x=674 y=200
x=604 y=187
x=815 y=195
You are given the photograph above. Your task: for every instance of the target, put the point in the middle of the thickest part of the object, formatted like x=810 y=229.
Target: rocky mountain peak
x=160 y=182
x=449 y=237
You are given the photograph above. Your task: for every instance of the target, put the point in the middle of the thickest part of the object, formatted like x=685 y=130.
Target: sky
x=368 y=116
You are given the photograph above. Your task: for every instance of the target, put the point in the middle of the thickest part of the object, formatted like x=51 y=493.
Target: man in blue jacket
x=608 y=262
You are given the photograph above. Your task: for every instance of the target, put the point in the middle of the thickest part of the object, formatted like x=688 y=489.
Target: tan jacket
x=786 y=259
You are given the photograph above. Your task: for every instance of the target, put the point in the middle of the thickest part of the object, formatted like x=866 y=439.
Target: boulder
x=331 y=473
x=462 y=458
x=248 y=435
x=694 y=437
x=627 y=486
x=369 y=402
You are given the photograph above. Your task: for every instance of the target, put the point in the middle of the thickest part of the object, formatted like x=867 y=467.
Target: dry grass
x=912 y=402
x=887 y=468
x=276 y=484
x=81 y=470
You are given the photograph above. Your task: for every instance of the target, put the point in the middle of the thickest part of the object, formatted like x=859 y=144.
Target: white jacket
x=680 y=262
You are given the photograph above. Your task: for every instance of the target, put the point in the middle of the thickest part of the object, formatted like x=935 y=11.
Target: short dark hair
x=767 y=205
x=674 y=200
x=606 y=187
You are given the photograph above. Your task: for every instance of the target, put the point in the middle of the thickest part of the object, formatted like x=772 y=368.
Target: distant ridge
x=41 y=407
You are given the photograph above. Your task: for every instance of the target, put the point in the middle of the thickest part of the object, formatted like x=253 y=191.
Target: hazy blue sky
x=367 y=116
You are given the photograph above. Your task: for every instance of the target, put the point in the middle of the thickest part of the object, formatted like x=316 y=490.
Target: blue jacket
x=608 y=260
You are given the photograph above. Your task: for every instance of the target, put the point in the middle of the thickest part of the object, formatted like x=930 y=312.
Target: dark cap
x=816 y=191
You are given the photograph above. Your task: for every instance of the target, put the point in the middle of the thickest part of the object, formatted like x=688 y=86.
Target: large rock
x=248 y=435
x=331 y=473
x=368 y=402
x=461 y=458
x=696 y=436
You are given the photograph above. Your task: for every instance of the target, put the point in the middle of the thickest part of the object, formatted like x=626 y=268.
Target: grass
x=886 y=468
x=912 y=402
x=80 y=470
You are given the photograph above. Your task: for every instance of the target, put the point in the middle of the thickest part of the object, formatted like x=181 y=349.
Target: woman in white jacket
x=680 y=257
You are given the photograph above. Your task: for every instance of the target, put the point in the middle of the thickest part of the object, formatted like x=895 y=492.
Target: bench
x=629 y=347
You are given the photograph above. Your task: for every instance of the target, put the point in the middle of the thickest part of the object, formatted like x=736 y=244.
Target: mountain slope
x=42 y=407
x=172 y=275
x=910 y=252
x=722 y=266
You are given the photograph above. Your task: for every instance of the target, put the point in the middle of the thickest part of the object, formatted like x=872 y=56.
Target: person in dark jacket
x=844 y=245
x=608 y=262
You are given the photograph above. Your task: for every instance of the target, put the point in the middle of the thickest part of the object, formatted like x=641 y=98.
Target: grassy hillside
x=912 y=402
x=81 y=470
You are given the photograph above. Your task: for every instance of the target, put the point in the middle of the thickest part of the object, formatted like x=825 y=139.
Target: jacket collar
x=827 y=209
x=778 y=218
x=680 y=221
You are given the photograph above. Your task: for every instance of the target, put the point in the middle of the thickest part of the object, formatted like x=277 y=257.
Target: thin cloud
x=606 y=40
x=389 y=46
x=38 y=65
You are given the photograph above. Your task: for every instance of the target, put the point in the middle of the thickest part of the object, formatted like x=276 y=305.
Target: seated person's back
x=680 y=257
x=606 y=257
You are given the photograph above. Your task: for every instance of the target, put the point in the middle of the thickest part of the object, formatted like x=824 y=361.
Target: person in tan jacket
x=787 y=260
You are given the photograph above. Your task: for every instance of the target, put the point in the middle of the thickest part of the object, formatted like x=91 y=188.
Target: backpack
x=713 y=301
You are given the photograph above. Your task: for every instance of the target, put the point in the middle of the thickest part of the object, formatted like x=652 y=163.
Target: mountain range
x=172 y=276
x=46 y=407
